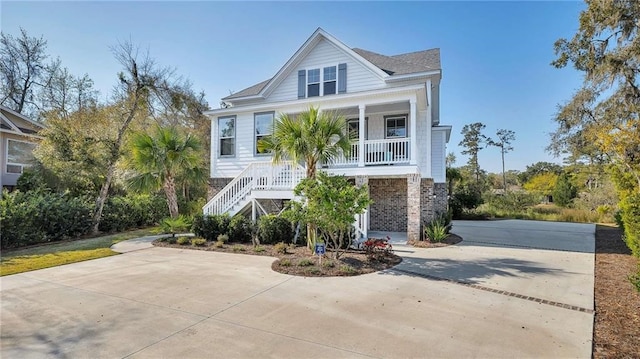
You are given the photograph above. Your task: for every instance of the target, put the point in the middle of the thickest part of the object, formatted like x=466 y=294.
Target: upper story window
x=396 y=126
x=329 y=83
x=227 y=135
x=323 y=81
x=19 y=155
x=313 y=83
x=264 y=126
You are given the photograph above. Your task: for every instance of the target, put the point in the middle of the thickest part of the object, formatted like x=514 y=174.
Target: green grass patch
x=59 y=253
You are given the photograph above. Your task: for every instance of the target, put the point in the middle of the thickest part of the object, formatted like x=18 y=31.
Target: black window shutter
x=342 y=78
x=302 y=83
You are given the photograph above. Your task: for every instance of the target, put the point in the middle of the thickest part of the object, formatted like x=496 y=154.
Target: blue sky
x=495 y=55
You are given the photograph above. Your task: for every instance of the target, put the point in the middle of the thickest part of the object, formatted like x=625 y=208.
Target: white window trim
x=321 y=80
x=319 y=83
x=255 y=135
x=6 y=157
x=220 y=138
x=396 y=117
x=335 y=79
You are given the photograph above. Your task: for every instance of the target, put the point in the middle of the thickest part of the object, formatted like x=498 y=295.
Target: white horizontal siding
x=245 y=148
x=359 y=78
x=438 y=149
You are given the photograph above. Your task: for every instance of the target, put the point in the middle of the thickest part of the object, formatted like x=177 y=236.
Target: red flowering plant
x=377 y=248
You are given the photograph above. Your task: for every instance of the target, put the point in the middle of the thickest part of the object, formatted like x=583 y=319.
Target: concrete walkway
x=493 y=298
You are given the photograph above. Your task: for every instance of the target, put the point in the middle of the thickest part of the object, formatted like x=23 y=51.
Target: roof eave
x=405 y=77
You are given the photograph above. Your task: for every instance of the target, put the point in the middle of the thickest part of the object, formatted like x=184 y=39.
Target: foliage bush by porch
x=240 y=229
x=273 y=229
x=437 y=229
x=210 y=227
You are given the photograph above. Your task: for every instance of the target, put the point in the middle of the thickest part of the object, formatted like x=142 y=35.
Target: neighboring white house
x=18 y=138
x=392 y=107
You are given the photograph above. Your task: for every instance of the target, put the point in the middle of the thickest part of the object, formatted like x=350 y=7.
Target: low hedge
x=35 y=217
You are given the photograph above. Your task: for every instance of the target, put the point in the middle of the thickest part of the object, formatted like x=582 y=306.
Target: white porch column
x=361 y=135
x=429 y=130
x=414 y=132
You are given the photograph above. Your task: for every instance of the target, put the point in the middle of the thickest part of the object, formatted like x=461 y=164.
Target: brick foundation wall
x=433 y=199
x=389 y=208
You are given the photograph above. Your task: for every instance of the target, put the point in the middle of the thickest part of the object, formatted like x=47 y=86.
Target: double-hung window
x=329 y=83
x=19 y=155
x=227 y=134
x=313 y=83
x=396 y=126
x=264 y=126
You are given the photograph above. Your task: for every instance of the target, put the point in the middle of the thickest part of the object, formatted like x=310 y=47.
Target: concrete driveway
x=511 y=289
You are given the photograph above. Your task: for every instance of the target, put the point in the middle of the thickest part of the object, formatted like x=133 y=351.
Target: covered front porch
x=382 y=134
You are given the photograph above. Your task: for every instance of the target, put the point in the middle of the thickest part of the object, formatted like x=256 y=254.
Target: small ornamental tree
x=331 y=204
x=564 y=191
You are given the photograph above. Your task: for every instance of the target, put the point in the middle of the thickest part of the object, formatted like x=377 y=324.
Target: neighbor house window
x=227 y=134
x=264 y=126
x=19 y=155
x=329 y=83
x=396 y=126
x=313 y=83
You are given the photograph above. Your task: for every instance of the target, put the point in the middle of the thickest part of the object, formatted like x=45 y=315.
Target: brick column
x=413 y=207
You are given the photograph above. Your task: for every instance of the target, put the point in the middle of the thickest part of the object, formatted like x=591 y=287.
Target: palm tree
x=312 y=137
x=164 y=158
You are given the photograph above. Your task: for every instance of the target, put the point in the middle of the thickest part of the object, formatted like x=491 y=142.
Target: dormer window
x=329 y=83
x=313 y=83
x=323 y=81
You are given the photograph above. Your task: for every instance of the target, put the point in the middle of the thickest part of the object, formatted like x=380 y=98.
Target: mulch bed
x=451 y=239
x=298 y=260
x=617 y=321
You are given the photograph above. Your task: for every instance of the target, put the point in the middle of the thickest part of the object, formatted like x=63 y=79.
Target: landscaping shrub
x=223 y=238
x=132 y=211
x=273 y=229
x=175 y=225
x=280 y=248
x=438 y=228
x=240 y=228
x=305 y=262
x=510 y=201
x=183 y=240
x=210 y=227
x=198 y=242
x=39 y=217
x=630 y=215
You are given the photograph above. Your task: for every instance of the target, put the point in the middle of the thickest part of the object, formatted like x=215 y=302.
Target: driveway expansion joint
x=497 y=291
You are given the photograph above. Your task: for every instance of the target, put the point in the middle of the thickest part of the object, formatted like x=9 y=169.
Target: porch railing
x=377 y=152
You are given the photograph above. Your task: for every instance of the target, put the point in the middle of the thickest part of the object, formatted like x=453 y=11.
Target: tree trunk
x=104 y=191
x=504 y=175
x=172 y=199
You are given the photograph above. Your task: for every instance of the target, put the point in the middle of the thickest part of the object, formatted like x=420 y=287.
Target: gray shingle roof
x=402 y=64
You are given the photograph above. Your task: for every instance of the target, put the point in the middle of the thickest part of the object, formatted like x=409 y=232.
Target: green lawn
x=51 y=255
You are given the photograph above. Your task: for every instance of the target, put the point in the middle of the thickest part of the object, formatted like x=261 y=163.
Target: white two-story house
x=391 y=104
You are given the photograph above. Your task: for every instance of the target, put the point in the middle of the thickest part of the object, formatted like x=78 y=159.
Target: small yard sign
x=320 y=249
